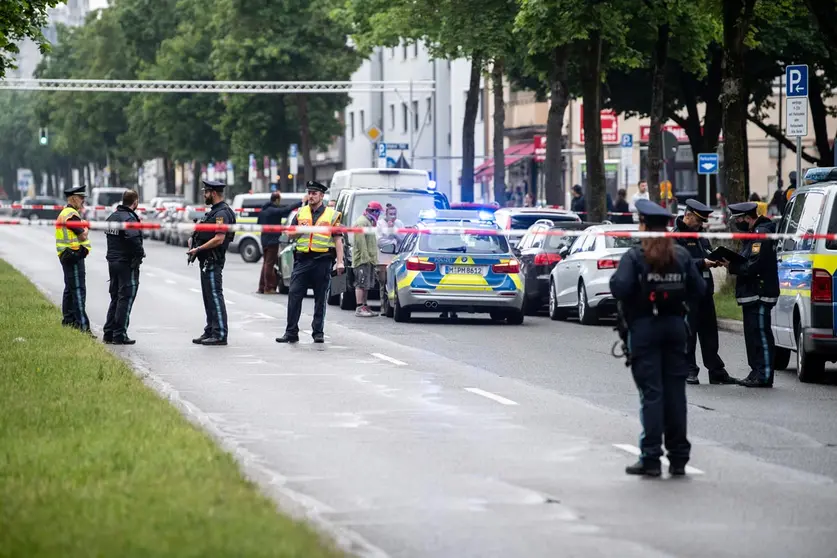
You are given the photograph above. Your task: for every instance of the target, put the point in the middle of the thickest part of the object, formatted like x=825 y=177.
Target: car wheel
x=531 y=306
x=33 y=217
x=809 y=368
x=333 y=300
x=280 y=281
x=781 y=358
x=586 y=314
x=386 y=308
x=399 y=313
x=556 y=313
x=348 y=301
x=250 y=251
x=515 y=317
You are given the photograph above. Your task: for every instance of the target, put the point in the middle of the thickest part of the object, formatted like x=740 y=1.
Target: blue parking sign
x=627 y=140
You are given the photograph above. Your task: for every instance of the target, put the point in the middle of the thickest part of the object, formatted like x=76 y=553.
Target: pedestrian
x=703 y=320
x=756 y=291
x=72 y=243
x=654 y=284
x=365 y=258
x=271 y=214
x=314 y=257
x=641 y=194
x=621 y=209
x=779 y=201
x=124 y=257
x=211 y=250
x=388 y=237
x=578 y=204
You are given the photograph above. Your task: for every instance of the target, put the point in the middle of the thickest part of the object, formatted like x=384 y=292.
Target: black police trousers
x=212 y=288
x=759 y=341
x=124 y=282
x=658 y=355
x=309 y=273
x=75 y=294
x=703 y=323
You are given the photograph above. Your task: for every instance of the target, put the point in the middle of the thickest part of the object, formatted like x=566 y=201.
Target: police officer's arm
x=81 y=232
x=219 y=237
x=134 y=237
x=753 y=263
x=624 y=282
x=338 y=242
x=695 y=285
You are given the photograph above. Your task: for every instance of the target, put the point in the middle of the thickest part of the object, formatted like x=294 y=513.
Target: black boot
x=124 y=341
x=650 y=469
x=288 y=339
x=319 y=338
x=199 y=340
x=692 y=379
x=722 y=377
x=214 y=341
x=676 y=470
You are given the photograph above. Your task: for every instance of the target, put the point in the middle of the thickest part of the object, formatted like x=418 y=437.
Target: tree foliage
x=20 y=20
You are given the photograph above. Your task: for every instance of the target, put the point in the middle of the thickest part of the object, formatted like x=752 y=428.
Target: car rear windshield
x=526 y=220
x=408 y=205
x=621 y=241
x=109 y=198
x=464 y=243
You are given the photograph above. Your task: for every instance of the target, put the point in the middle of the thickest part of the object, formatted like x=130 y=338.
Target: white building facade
x=72 y=14
x=430 y=123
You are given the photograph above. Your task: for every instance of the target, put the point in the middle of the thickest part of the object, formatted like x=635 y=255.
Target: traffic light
x=44 y=136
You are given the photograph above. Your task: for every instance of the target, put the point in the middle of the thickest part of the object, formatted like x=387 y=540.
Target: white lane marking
x=265 y=316
x=228 y=301
x=195 y=290
x=492 y=396
x=149 y=274
x=636 y=451
x=389 y=359
x=171 y=282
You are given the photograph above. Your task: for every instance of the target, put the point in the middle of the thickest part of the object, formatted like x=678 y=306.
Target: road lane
x=405 y=456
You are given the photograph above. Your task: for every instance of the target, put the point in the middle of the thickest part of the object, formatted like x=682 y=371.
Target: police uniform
x=314 y=256
x=655 y=305
x=756 y=291
x=212 y=267
x=124 y=256
x=703 y=321
x=72 y=253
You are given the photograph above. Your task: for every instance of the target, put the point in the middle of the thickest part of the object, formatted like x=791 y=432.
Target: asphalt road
x=469 y=438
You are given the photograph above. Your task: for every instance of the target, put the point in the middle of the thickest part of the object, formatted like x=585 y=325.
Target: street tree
x=21 y=20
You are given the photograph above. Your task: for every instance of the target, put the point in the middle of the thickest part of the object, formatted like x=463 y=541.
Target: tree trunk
x=305 y=137
x=655 y=134
x=284 y=170
x=499 y=133
x=559 y=99
x=819 y=115
x=469 y=124
x=591 y=85
x=738 y=15
x=196 y=182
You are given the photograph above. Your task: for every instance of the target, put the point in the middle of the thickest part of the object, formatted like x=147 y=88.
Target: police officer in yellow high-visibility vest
x=314 y=256
x=73 y=246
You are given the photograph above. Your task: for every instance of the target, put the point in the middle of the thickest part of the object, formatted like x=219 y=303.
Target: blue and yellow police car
x=455 y=261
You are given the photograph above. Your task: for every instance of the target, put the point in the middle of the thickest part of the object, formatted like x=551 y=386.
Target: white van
x=107 y=197
x=378 y=179
x=246 y=243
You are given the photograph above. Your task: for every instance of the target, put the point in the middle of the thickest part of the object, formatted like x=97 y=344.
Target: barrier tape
x=104 y=207
x=291 y=229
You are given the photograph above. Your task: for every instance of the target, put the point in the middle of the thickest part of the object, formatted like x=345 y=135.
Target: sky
x=96 y=4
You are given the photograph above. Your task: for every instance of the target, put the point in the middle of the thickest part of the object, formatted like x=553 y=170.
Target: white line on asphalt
x=171 y=282
x=265 y=316
x=492 y=396
x=635 y=451
x=228 y=301
x=149 y=274
x=195 y=290
x=389 y=359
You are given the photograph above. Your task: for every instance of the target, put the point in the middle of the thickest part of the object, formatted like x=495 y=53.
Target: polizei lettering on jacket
x=664 y=278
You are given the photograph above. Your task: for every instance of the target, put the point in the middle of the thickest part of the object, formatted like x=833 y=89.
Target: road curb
x=735 y=326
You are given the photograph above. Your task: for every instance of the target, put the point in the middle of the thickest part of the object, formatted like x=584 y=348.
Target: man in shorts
x=365 y=258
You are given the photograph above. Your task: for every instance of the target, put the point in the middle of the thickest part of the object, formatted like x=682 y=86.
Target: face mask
x=742 y=225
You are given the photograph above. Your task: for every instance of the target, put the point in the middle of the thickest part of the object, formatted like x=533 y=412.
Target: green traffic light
x=43 y=140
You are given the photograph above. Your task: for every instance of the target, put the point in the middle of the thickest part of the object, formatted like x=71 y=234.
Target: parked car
x=50 y=211
x=580 y=282
x=521 y=218
x=538 y=253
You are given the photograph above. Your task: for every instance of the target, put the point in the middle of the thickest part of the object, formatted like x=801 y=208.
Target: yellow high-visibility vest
x=315 y=242
x=66 y=238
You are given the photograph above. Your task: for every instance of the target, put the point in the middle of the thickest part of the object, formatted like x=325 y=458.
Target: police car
x=454 y=271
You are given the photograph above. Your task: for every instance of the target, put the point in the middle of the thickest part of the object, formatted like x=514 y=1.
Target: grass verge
x=94 y=463
x=725 y=305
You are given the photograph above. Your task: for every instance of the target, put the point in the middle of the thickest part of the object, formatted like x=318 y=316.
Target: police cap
x=702 y=211
x=216 y=185
x=744 y=208
x=652 y=214
x=313 y=185
x=77 y=191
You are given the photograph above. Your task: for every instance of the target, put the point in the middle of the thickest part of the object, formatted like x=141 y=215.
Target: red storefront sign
x=610 y=125
x=540 y=149
x=679 y=133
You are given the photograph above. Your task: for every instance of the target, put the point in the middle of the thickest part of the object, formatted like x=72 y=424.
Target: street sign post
x=373 y=133
x=708 y=164
x=294 y=164
x=398 y=146
x=627 y=154
x=382 y=155
x=796 y=90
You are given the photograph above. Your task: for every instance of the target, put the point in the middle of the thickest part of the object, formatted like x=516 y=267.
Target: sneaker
x=363 y=312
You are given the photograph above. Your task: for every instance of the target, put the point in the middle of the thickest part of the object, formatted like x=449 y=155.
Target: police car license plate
x=465 y=269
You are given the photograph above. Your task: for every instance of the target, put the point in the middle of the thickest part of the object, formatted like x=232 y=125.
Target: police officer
x=125 y=254
x=211 y=250
x=314 y=256
x=703 y=321
x=72 y=243
x=654 y=284
x=756 y=291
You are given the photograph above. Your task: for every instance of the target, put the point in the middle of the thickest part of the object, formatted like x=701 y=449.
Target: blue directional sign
x=294 y=150
x=382 y=150
x=398 y=146
x=627 y=140
x=796 y=80
x=707 y=163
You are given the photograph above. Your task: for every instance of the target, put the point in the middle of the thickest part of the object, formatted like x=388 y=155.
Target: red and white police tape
x=247 y=227
x=40 y=207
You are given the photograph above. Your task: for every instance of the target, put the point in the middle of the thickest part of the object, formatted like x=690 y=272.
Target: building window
x=362 y=122
x=415 y=115
x=392 y=117
x=404 y=50
x=392 y=52
x=415 y=49
x=429 y=109
x=481 y=109
x=405 y=116
x=774 y=149
x=351 y=125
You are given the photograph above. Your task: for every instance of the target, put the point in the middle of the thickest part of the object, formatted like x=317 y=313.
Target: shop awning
x=512 y=154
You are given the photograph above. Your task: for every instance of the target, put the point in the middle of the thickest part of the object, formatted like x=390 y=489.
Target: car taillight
x=512 y=266
x=821 y=286
x=607 y=264
x=547 y=259
x=415 y=264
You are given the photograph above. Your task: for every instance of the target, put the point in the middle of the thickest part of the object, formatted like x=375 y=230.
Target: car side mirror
x=389 y=249
x=564 y=251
